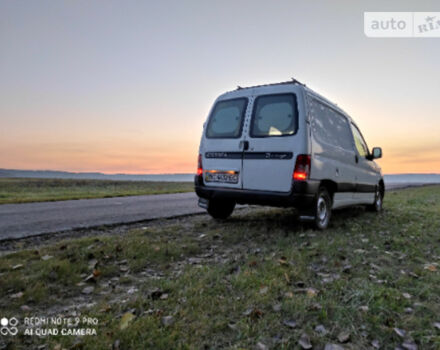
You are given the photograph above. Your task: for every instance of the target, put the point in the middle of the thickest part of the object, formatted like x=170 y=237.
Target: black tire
x=322 y=209
x=220 y=209
x=377 y=206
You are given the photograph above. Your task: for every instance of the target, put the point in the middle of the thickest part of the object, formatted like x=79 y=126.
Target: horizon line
x=158 y=174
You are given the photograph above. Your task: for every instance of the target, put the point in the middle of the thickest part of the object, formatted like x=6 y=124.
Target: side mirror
x=376 y=153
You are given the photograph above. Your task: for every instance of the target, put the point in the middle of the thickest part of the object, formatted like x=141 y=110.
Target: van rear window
x=226 y=119
x=274 y=115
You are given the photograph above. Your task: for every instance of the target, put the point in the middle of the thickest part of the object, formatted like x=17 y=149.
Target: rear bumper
x=301 y=195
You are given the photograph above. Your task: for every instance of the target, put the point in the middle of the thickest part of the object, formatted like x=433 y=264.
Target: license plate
x=222 y=177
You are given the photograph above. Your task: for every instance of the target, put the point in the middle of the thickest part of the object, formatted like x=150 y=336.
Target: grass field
x=259 y=280
x=20 y=190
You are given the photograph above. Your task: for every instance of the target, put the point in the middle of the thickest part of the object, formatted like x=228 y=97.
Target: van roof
x=293 y=81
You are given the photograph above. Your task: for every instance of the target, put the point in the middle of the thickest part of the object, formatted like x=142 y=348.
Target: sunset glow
x=124 y=87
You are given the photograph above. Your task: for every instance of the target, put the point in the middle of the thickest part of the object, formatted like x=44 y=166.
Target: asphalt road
x=31 y=219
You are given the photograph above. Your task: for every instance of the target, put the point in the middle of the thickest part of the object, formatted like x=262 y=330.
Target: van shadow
x=287 y=219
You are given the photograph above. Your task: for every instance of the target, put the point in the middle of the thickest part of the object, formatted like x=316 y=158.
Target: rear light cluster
x=301 y=172
x=199 y=166
x=302 y=167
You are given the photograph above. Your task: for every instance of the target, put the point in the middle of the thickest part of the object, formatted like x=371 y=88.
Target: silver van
x=285 y=145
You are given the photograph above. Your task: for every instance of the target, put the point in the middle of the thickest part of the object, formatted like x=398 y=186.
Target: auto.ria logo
x=8 y=326
x=402 y=24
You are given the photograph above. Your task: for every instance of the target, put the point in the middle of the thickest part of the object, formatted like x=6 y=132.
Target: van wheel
x=220 y=209
x=323 y=209
x=378 y=200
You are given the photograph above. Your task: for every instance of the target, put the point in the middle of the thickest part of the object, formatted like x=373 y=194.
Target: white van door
x=268 y=160
x=222 y=144
x=333 y=155
x=366 y=177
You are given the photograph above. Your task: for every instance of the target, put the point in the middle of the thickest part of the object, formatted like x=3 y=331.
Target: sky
x=125 y=86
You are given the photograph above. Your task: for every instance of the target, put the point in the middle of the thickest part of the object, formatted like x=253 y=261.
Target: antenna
x=294 y=81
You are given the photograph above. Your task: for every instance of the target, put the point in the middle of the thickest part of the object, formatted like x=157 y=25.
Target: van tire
x=323 y=209
x=377 y=206
x=220 y=209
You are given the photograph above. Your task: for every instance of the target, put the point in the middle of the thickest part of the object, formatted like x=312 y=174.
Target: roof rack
x=291 y=81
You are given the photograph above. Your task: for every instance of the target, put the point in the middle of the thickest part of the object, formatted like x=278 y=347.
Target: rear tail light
x=199 y=166
x=302 y=167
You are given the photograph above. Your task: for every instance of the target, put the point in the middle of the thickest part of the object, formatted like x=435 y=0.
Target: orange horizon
x=177 y=153
x=190 y=168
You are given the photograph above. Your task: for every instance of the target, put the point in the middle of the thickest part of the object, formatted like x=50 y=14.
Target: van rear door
x=222 y=144
x=269 y=161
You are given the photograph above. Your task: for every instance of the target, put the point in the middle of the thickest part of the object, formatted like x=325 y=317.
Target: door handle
x=356 y=158
x=244 y=145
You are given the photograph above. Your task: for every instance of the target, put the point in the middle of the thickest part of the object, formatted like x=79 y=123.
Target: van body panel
x=366 y=181
x=333 y=154
x=218 y=156
x=367 y=172
x=368 y=176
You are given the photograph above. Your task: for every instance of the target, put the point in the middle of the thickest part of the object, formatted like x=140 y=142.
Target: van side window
x=226 y=119
x=359 y=141
x=329 y=126
x=274 y=115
